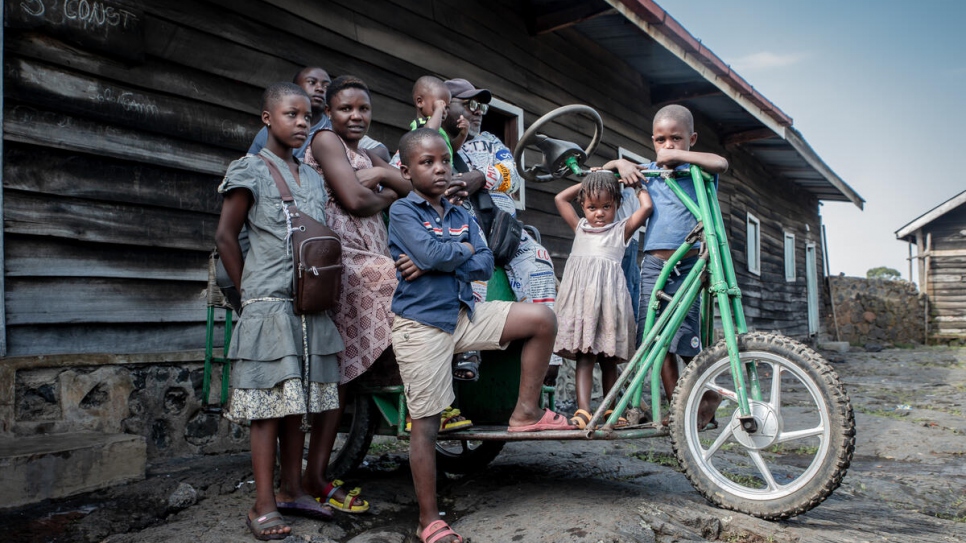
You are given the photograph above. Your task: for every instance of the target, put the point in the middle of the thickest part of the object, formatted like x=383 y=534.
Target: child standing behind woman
x=595 y=318
x=431 y=98
x=283 y=366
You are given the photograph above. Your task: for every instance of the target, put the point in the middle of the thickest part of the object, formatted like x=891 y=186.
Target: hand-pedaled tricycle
x=787 y=431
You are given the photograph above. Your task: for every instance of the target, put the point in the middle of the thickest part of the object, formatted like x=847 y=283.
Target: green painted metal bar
x=707 y=319
x=226 y=363
x=727 y=263
x=719 y=287
x=209 y=340
x=689 y=290
x=694 y=208
x=388 y=407
x=661 y=282
x=637 y=393
x=629 y=434
x=653 y=360
x=734 y=292
x=210 y=358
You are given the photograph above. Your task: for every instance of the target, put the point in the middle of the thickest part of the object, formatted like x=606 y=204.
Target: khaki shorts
x=425 y=354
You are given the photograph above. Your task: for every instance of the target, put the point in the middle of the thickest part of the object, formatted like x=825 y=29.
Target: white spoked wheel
x=805 y=434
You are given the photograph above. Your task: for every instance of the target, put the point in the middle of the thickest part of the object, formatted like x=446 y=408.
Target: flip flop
x=259 y=525
x=580 y=419
x=352 y=504
x=549 y=421
x=438 y=530
x=306 y=506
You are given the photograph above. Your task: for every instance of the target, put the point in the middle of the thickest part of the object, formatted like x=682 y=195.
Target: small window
x=753 y=246
x=632 y=156
x=789 y=257
x=505 y=121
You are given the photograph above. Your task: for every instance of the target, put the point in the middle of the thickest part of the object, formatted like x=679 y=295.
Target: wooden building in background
x=121 y=116
x=940 y=240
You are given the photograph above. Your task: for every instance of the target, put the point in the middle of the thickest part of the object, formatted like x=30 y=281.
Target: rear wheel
x=462 y=457
x=352 y=445
x=805 y=433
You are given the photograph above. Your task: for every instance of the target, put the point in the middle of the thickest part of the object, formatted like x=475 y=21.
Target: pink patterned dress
x=363 y=316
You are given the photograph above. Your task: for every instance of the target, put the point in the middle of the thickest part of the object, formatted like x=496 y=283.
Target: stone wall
x=875 y=311
x=161 y=402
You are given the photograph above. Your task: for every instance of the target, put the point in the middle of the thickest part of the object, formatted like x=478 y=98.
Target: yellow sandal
x=352 y=504
x=446 y=421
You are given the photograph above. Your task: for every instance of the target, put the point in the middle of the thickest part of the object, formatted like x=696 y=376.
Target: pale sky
x=876 y=87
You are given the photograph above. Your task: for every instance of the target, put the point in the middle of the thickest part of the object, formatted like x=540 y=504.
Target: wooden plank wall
x=947 y=274
x=120 y=120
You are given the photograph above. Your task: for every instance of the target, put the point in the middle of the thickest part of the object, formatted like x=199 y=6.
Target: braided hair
x=600 y=183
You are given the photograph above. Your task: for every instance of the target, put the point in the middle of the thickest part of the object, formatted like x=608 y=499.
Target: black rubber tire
x=817 y=401
x=360 y=421
x=465 y=457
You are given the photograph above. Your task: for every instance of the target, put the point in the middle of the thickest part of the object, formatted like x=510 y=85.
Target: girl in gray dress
x=283 y=367
x=595 y=318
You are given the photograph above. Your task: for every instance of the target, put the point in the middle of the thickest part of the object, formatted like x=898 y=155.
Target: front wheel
x=805 y=433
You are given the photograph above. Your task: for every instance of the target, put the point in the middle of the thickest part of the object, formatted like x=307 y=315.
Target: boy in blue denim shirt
x=439 y=251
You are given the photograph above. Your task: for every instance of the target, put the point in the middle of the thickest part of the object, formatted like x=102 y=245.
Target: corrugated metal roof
x=669 y=58
x=908 y=232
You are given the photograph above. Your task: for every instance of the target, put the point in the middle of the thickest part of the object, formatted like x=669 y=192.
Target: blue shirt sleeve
x=480 y=266
x=260 y=140
x=421 y=244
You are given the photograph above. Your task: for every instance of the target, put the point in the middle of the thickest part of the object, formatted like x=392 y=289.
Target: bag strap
x=484 y=207
x=459 y=164
x=287 y=197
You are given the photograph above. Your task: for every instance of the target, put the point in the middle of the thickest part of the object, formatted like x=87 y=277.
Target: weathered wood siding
x=120 y=118
x=947 y=274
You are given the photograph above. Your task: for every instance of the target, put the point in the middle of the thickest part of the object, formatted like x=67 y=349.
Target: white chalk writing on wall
x=88 y=14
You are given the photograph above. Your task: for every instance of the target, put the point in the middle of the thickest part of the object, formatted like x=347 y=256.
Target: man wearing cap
x=487 y=164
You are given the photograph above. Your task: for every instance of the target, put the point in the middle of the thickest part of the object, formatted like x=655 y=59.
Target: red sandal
x=438 y=530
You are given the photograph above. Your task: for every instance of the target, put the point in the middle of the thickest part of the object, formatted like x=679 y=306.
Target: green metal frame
x=490 y=400
x=712 y=275
x=210 y=359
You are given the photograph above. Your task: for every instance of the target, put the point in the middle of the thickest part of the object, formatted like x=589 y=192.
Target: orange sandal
x=580 y=419
x=621 y=421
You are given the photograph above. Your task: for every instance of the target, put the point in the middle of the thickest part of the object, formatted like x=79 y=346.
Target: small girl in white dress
x=595 y=318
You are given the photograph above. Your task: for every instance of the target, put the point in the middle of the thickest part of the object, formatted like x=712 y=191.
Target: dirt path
x=907 y=483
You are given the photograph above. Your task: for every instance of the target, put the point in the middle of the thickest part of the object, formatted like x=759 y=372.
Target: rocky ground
x=907 y=482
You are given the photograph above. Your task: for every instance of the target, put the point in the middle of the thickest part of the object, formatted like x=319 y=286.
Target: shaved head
x=412 y=140
x=678 y=114
x=429 y=85
x=277 y=91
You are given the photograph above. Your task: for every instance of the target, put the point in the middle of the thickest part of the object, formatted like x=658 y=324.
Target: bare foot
x=706 y=410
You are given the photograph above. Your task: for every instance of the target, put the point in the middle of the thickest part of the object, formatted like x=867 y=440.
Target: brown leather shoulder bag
x=316 y=255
